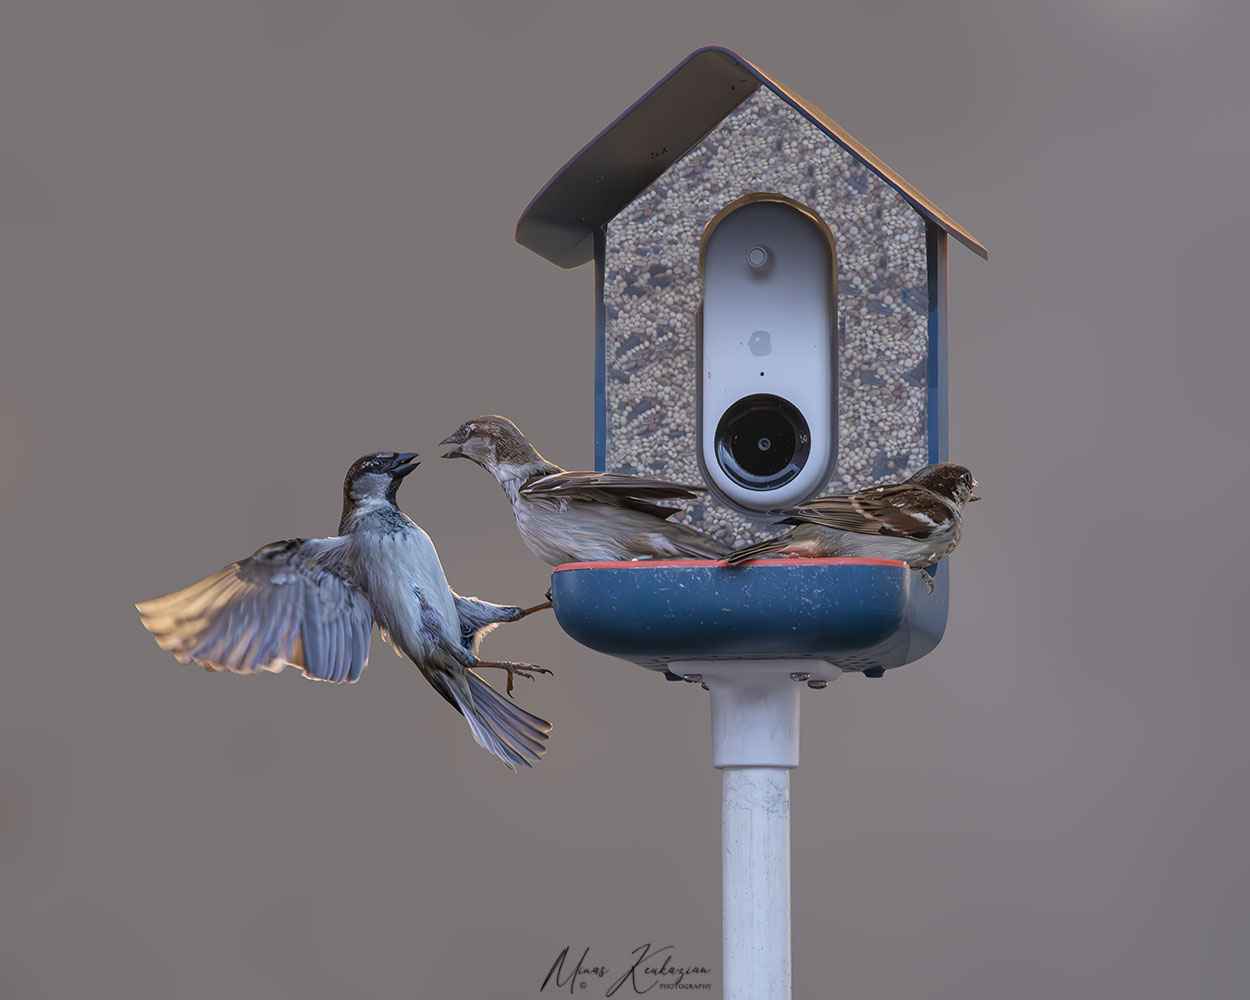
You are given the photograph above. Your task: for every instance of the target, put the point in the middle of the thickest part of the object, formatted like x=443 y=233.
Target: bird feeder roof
x=654 y=133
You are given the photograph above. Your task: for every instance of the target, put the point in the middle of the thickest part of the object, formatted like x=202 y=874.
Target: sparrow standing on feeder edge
x=580 y=516
x=918 y=521
x=311 y=603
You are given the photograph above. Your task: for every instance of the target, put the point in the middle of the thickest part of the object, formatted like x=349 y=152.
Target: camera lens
x=762 y=442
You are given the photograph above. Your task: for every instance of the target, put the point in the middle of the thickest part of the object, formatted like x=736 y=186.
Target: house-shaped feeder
x=753 y=263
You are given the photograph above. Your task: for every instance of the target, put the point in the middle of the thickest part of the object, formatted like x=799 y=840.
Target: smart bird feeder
x=771 y=323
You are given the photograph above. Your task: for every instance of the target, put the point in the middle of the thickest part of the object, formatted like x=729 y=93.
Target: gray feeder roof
x=658 y=130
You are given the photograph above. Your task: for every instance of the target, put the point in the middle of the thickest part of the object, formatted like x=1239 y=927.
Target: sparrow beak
x=455 y=452
x=973 y=496
x=405 y=464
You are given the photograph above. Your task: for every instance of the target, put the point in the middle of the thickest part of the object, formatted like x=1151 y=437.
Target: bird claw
x=537 y=607
x=526 y=670
x=928 y=580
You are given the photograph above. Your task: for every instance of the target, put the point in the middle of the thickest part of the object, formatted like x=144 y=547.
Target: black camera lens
x=762 y=442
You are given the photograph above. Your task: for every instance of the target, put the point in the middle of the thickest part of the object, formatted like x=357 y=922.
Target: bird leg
x=524 y=669
x=537 y=607
x=928 y=580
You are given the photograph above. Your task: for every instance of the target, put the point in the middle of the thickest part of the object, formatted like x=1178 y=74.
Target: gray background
x=243 y=242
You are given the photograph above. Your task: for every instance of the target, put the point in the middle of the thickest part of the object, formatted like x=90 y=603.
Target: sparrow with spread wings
x=580 y=516
x=918 y=521
x=312 y=603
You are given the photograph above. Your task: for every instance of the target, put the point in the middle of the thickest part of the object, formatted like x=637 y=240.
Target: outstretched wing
x=899 y=511
x=290 y=602
x=633 y=492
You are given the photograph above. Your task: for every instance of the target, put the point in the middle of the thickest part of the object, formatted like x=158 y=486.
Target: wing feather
x=900 y=511
x=291 y=602
x=634 y=492
x=478 y=617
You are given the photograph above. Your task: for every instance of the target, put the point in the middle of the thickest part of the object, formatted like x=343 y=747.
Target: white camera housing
x=768 y=353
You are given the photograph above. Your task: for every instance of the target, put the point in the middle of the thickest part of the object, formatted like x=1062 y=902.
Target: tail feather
x=691 y=542
x=764 y=548
x=527 y=733
x=512 y=734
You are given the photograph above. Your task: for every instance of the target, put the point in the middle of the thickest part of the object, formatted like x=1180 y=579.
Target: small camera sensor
x=762 y=442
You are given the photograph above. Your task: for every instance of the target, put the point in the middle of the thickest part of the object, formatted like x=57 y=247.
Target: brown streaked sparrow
x=580 y=516
x=312 y=602
x=918 y=521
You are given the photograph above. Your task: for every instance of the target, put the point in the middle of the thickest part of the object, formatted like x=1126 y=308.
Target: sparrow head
x=948 y=480
x=377 y=476
x=494 y=443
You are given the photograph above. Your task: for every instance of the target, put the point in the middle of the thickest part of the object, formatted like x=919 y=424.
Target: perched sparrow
x=311 y=602
x=580 y=516
x=918 y=521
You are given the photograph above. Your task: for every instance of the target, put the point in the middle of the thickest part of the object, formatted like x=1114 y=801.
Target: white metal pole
x=755 y=742
x=755 y=882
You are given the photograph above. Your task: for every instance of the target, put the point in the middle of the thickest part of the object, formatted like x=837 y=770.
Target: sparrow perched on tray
x=580 y=516
x=312 y=602
x=918 y=521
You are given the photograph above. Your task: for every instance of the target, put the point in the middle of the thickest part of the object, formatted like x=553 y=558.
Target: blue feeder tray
x=857 y=614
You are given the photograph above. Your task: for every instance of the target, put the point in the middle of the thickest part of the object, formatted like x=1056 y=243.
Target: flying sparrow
x=919 y=521
x=312 y=602
x=580 y=516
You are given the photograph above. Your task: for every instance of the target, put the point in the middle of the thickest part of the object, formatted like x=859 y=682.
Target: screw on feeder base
x=817 y=685
x=800 y=676
x=692 y=678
